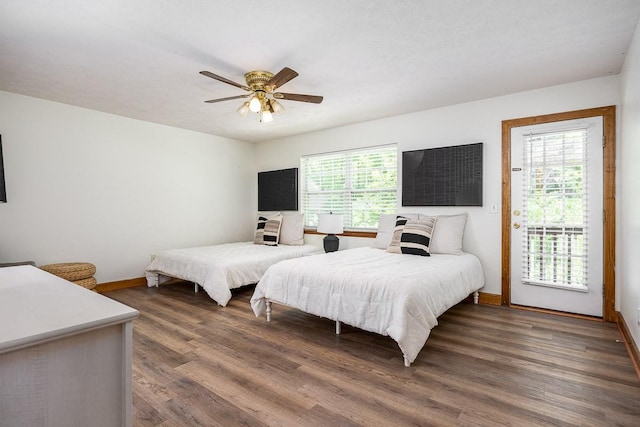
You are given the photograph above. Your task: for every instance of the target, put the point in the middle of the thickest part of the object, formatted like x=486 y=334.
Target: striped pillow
x=394 y=246
x=415 y=237
x=268 y=230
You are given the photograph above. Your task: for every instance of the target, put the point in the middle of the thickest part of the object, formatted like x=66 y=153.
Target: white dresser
x=65 y=353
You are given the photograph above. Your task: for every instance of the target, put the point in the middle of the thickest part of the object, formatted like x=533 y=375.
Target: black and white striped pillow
x=397 y=234
x=268 y=230
x=415 y=237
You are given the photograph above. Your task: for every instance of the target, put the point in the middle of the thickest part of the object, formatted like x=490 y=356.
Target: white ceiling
x=368 y=58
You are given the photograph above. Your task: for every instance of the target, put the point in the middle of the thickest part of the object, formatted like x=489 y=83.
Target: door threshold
x=557 y=312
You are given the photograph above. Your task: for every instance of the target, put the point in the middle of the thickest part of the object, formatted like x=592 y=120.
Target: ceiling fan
x=261 y=86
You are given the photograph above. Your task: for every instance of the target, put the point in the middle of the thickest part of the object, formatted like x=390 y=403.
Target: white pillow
x=447 y=234
x=386 y=225
x=385 y=231
x=292 y=230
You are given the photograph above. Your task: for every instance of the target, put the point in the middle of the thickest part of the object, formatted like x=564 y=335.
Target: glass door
x=556 y=201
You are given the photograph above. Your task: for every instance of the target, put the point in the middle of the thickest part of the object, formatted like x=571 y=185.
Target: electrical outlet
x=493 y=208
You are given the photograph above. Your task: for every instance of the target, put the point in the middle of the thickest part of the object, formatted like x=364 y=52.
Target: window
x=555 y=208
x=358 y=184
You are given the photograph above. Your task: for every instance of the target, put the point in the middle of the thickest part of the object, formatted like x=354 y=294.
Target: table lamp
x=331 y=225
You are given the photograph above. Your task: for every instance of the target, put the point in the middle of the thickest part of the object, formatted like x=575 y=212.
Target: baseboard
x=557 y=313
x=632 y=346
x=490 y=299
x=121 y=284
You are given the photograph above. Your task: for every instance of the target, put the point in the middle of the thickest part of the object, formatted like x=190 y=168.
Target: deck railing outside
x=555 y=255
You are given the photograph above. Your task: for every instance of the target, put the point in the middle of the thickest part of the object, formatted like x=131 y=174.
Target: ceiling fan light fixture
x=276 y=106
x=261 y=87
x=243 y=109
x=255 y=104
x=266 y=116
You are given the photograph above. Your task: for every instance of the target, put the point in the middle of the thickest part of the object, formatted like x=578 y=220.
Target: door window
x=555 y=209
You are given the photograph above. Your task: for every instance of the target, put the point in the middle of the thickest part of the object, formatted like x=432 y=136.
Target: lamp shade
x=255 y=104
x=243 y=109
x=266 y=116
x=276 y=106
x=330 y=224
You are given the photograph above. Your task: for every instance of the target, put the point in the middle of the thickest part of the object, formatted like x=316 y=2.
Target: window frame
x=349 y=171
x=571 y=142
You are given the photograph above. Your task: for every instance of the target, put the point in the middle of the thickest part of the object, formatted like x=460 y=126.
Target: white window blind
x=555 y=211
x=358 y=184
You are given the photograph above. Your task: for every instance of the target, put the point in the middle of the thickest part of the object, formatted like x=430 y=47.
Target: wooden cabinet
x=65 y=353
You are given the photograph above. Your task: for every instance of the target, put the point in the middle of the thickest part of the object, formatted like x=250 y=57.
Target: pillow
x=385 y=231
x=268 y=230
x=292 y=230
x=447 y=234
x=386 y=226
x=394 y=245
x=415 y=237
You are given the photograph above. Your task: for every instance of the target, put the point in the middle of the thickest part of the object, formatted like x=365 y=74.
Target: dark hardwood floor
x=198 y=364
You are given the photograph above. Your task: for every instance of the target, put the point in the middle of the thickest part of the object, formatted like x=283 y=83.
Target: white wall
x=89 y=186
x=458 y=124
x=628 y=198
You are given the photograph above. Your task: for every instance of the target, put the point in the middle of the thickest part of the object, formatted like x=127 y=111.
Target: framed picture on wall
x=444 y=176
x=278 y=190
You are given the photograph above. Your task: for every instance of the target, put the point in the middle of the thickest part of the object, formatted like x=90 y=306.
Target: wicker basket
x=89 y=283
x=71 y=270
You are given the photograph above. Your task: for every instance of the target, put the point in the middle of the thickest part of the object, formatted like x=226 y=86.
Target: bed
x=220 y=268
x=393 y=294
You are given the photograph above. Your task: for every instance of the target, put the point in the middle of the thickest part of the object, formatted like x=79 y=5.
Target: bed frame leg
x=406 y=361
x=476 y=296
x=195 y=289
x=338 y=327
x=268 y=311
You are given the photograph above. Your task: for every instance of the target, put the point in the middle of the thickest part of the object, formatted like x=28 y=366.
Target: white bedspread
x=223 y=267
x=391 y=294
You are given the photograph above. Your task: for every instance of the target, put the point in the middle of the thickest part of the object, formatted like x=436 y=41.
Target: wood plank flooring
x=198 y=364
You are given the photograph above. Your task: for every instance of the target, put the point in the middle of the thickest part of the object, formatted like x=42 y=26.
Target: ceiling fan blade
x=298 y=97
x=222 y=79
x=227 y=99
x=281 y=78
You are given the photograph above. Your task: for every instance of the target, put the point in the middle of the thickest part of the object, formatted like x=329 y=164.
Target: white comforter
x=391 y=294
x=223 y=267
